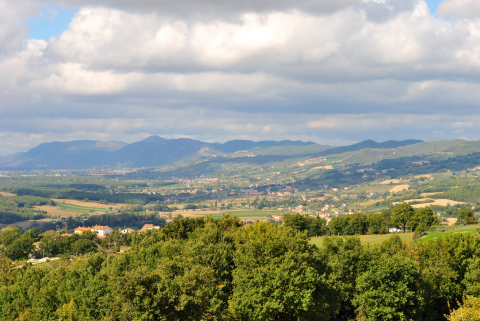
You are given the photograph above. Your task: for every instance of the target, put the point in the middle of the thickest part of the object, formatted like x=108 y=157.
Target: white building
x=102 y=230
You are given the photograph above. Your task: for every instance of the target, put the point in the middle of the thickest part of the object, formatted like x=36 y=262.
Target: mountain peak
x=154 y=139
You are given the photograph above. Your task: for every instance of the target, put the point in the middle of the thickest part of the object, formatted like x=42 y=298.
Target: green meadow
x=77 y=208
x=366 y=239
x=435 y=235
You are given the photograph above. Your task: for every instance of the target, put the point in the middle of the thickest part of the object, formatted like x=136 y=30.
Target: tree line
x=208 y=269
x=20 y=208
x=403 y=217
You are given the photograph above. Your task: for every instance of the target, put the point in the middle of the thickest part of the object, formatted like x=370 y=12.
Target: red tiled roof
x=147 y=227
x=98 y=227
x=83 y=229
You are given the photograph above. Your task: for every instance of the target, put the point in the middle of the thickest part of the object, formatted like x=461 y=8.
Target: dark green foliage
x=388 y=290
x=346 y=259
x=314 y=226
x=278 y=276
x=208 y=269
x=402 y=215
x=130 y=198
x=20 y=208
x=86 y=242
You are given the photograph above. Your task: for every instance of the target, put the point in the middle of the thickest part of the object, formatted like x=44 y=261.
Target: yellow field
x=424 y=175
x=399 y=188
x=451 y=221
x=441 y=202
x=7 y=194
x=390 y=181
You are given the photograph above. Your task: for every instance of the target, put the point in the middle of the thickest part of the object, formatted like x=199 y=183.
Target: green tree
x=278 y=276
x=20 y=248
x=401 y=215
x=388 y=290
x=68 y=312
x=9 y=236
x=465 y=216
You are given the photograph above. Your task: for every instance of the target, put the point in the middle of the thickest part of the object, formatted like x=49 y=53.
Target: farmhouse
x=80 y=230
x=127 y=230
x=102 y=230
x=147 y=227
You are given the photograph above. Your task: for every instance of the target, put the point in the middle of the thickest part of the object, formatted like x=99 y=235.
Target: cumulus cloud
x=326 y=71
x=459 y=8
x=12 y=24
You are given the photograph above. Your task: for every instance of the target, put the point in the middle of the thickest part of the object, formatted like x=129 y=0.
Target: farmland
x=65 y=208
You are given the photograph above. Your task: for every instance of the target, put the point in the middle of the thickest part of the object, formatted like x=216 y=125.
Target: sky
x=334 y=72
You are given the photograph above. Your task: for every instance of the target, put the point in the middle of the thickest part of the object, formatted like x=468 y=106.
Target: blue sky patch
x=52 y=23
x=432 y=5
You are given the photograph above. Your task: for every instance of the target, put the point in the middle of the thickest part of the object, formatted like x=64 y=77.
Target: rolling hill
x=156 y=151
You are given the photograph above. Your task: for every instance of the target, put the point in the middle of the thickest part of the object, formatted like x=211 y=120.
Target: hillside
x=156 y=151
x=153 y=151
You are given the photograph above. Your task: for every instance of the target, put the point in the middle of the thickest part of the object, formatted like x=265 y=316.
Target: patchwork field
x=366 y=239
x=441 y=202
x=66 y=207
x=89 y=204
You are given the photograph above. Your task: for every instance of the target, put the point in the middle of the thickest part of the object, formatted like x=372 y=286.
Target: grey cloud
x=469 y=9
x=215 y=9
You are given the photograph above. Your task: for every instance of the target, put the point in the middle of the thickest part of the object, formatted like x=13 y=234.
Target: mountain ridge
x=156 y=151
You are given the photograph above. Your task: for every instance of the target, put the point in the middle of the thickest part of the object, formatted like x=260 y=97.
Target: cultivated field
x=441 y=202
x=7 y=194
x=424 y=176
x=89 y=204
x=390 y=181
x=67 y=208
x=399 y=188
x=451 y=221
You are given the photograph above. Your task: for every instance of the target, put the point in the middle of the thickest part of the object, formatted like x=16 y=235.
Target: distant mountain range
x=156 y=151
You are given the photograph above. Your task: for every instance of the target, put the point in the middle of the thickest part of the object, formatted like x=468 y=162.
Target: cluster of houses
x=103 y=231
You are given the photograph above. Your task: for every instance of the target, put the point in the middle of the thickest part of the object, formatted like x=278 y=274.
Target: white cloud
x=342 y=71
x=459 y=8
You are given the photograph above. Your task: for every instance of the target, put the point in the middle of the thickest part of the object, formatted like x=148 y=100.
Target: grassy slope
x=366 y=239
x=433 y=236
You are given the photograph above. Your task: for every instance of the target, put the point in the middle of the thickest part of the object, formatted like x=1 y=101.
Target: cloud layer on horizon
x=334 y=73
